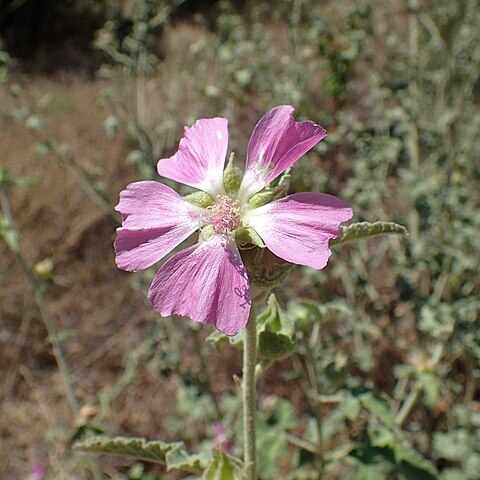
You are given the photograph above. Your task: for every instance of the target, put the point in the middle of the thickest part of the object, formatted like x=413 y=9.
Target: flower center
x=224 y=216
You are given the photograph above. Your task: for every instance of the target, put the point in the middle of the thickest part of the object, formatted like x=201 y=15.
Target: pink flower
x=220 y=438
x=208 y=281
x=38 y=472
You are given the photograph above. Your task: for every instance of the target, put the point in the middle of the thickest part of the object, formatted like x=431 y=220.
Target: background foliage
x=384 y=381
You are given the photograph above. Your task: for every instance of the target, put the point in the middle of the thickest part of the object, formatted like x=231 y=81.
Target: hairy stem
x=249 y=395
x=317 y=407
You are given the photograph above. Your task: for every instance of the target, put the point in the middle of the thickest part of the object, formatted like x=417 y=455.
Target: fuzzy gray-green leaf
x=171 y=454
x=360 y=230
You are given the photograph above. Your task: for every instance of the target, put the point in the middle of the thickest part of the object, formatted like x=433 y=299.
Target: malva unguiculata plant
x=209 y=282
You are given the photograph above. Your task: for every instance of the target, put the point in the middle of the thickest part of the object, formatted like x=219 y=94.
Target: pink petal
x=155 y=219
x=298 y=228
x=207 y=283
x=277 y=142
x=200 y=158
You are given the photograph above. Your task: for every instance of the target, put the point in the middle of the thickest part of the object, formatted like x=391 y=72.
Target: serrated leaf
x=224 y=467
x=360 y=230
x=171 y=454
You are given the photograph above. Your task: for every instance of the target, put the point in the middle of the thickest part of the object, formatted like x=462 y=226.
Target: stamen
x=224 y=216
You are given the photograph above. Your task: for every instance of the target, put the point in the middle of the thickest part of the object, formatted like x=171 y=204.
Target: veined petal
x=155 y=219
x=200 y=158
x=298 y=228
x=277 y=142
x=207 y=283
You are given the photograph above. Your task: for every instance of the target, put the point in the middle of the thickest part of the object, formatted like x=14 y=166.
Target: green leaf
x=382 y=446
x=224 y=467
x=360 y=230
x=171 y=454
x=377 y=406
x=220 y=339
x=276 y=332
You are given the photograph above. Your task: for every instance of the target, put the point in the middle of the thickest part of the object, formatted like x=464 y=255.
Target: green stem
x=409 y=404
x=317 y=408
x=418 y=387
x=249 y=395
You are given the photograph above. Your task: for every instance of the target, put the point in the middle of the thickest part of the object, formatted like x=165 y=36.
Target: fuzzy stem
x=317 y=407
x=249 y=395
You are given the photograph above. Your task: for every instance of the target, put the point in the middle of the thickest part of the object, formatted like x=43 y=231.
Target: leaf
x=276 y=332
x=220 y=339
x=224 y=467
x=381 y=446
x=171 y=454
x=360 y=230
x=377 y=406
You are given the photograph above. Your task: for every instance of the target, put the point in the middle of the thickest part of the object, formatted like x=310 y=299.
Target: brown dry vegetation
x=90 y=299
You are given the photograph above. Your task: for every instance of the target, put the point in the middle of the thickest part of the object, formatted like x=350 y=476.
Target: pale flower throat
x=224 y=216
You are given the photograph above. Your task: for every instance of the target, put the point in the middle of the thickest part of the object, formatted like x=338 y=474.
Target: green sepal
x=232 y=176
x=200 y=199
x=357 y=231
x=206 y=232
x=268 y=277
x=267 y=196
x=171 y=454
x=276 y=332
x=224 y=467
x=247 y=234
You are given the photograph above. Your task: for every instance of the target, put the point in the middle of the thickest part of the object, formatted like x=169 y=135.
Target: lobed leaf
x=171 y=454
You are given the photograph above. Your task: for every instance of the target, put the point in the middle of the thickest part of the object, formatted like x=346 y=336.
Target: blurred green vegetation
x=388 y=342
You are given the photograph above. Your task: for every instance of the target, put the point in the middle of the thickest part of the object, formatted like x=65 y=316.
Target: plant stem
x=249 y=395
x=317 y=408
x=409 y=404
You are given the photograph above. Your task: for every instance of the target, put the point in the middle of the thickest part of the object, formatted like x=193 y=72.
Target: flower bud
x=200 y=199
x=232 y=176
x=44 y=269
x=267 y=196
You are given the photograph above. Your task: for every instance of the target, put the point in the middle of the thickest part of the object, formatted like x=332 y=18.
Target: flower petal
x=200 y=158
x=298 y=228
x=155 y=219
x=277 y=142
x=207 y=283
